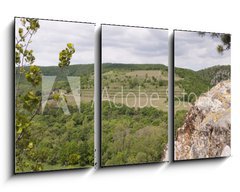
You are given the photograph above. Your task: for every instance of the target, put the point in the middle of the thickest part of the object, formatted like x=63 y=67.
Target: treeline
x=61 y=74
x=191 y=83
x=215 y=74
x=84 y=72
x=131 y=136
x=119 y=66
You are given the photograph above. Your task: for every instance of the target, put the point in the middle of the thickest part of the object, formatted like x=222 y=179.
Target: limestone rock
x=226 y=151
x=206 y=132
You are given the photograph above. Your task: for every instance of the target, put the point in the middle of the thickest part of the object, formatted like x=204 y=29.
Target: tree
x=28 y=103
x=224 y=38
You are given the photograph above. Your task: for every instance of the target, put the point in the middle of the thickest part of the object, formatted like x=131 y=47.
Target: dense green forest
x=55 y=140
x=131 y=136
x=215 y=74
x=120 y=66
x=85 y=72
x=201 y=81
x=58 y=141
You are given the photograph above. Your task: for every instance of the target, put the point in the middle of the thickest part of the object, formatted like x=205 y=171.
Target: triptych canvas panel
x=54 y=95
x=202 y=95
x=134 y=95
x=54 y=90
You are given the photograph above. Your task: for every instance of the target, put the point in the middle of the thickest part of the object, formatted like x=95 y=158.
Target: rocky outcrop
x=206 y=132
x=220 y=76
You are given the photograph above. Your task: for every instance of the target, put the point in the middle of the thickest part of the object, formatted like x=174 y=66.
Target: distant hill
x=76 y=70
x=201 y=81
x=86 y=72
x=215 y=74
x=72 y=70
x=191 y=81
x=110 y=66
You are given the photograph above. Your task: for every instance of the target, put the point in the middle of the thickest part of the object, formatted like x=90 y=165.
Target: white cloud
x=195 y=52
x=121 y=44
x=53 y=36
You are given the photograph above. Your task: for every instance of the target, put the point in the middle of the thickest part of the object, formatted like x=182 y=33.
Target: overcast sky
x=134 y=45
x=195 y=52
x=53 y=36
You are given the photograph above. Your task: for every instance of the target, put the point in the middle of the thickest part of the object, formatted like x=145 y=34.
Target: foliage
x=131 y=76
x=118 y=66
x=225 y=40
x=65 y=56
x=131 y=136
x=29 y=123
x=57 y=141
x=179 y=119
x=215 y=74
x=27 y=102
x=192 y=84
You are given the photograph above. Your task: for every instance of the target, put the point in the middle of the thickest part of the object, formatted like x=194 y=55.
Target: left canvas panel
x=54 y=95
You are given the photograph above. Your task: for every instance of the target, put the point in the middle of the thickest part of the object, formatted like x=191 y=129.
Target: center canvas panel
x=134 y=84
x=54 y=83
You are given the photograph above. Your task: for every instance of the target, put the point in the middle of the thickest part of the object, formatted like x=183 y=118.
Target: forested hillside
x=214 y=75
x=201 y=81
x=132 y=136
x=120 y=66
x=55 y=140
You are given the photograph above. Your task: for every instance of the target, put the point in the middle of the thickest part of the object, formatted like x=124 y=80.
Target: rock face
x=206 y=132
x=220 y=76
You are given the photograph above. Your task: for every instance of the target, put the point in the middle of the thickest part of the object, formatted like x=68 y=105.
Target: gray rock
x=206 y=132
x=226 y=151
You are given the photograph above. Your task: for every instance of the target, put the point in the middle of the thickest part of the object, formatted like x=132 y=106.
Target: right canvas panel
x=202 y=95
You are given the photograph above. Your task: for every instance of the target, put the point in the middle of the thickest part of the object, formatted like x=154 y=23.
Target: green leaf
x=19 y=130
x=20 y=30
x=30 y=145
x=65 y=56
x=70 y=45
